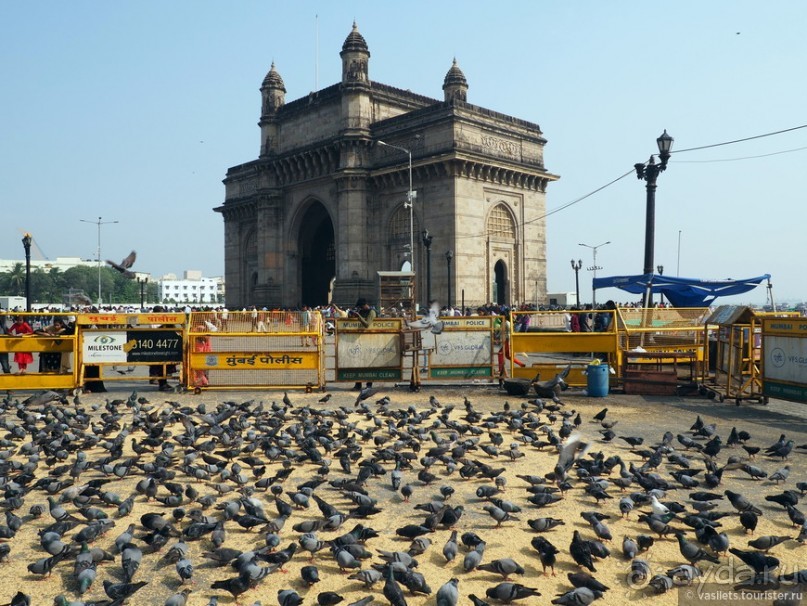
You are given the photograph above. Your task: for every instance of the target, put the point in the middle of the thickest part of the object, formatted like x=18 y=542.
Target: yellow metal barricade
x=255 y=349
x=658 y=346
x=544 y=343
x=123 y=347
x=37 y=351
x=737 y=367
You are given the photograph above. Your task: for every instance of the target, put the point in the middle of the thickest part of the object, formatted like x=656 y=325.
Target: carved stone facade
x=324 y=207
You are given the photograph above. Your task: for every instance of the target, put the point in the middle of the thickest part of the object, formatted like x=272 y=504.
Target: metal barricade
x=37 y=351
x=122 y=346
x=463 y=350
x=369 y=354
x=546 y=343
x=656 y=342
x=784 y=358
x=255 y=349
x=738 y=355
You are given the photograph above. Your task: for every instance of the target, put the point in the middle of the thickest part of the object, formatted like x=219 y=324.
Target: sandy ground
x=647 y=417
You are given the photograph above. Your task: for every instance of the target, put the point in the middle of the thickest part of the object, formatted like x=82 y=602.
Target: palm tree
x=16 y=280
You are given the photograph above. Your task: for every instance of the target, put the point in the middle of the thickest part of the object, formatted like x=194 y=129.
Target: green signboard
x=784 y=391
x=465 y=372
x=368 y=374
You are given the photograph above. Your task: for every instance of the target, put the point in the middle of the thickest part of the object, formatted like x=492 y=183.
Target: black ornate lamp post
x=142 y=282
x=449 y=256
x=660 y=270
x=649 y=172
x=427 y=242
x=576 y=267
x=26 y=243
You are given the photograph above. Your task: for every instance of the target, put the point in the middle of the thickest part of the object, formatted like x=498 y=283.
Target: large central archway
x=317 y=255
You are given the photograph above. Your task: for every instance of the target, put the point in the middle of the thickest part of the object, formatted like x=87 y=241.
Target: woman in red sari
x=22 y=358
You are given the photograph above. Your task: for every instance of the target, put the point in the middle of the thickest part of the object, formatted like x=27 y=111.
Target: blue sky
x=133 y=111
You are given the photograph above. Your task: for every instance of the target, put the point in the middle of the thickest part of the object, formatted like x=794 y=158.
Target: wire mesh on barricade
x=255 y=348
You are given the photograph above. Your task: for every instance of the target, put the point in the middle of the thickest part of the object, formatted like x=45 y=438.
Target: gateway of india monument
x=325 y=206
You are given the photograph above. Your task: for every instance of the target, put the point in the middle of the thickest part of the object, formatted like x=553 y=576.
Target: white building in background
x=60 y=263
x=192 y=288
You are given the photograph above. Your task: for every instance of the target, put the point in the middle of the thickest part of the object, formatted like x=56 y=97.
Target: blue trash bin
x=597 y=380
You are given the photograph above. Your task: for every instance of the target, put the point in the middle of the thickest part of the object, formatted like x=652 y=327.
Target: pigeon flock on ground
x=311 y=500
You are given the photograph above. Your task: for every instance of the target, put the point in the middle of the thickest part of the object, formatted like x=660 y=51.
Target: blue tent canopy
x=681 y=292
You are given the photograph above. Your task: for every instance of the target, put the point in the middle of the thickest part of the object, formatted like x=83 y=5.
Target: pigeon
x=583 y=579
x=431 y=321
x=124 y=266
x=451 y=547
x=289 y=597
x=178 y=599
x=507 y=592
x=581 y=552
x=392 y=591
x=448 y=594
x=544 y=524
x=503 y=566
x=692 y=552
x=119 y=592
x=767 y=542
x=757 y=561
x=579 y=596
x=740 y=503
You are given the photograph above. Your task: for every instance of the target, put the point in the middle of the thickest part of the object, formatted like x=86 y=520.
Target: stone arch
x=316 y=253
x=397 y=242
x=502 y=241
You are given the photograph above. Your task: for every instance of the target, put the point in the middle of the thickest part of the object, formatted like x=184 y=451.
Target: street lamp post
x=576 y=267
x=26 y=243
x=427 y=242
x=660 y=270
x=410 y=199
x=142 y=282
x=649 y=172
x=99 y=223
x=594 y=267
x=449 y=256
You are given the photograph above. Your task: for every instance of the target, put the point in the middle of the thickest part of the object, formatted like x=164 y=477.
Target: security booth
x=661 y=348
x=369 y=354
x=737 y=368
x=544 y=343
x=119 y=346
x=255 y=349
x=784 y=358
x=44 y=358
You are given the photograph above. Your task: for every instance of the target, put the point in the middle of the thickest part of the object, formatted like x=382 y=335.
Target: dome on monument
x=455 y=77
x=355 y=41
x=273 y=79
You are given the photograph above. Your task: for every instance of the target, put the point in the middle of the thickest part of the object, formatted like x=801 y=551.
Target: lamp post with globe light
x=576 y=267
x=26 y=244
x=649 y=172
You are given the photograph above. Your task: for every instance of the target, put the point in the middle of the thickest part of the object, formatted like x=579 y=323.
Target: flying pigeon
x=123 y=266
x=431 y=321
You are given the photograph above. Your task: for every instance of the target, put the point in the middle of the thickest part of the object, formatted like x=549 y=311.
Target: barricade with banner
x=255 y=349
x=784 y=358
x=37 y=351
x=119 y=345
x=463 y=350
x=369 y=354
